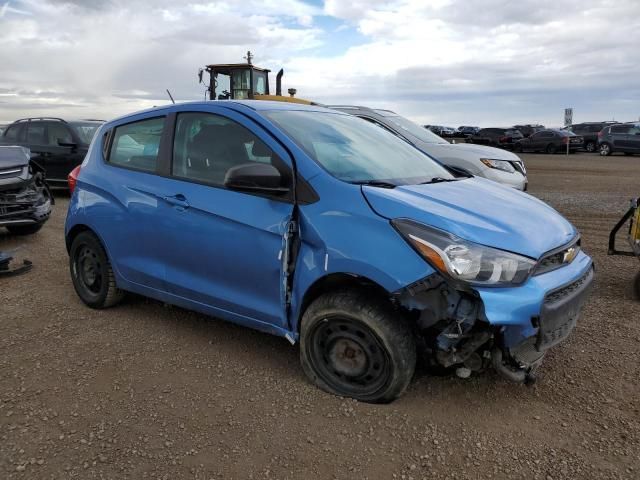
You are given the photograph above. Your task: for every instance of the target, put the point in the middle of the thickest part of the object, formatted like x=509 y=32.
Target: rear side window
x=206 y=146
x=136 y=145
x=36 y=133
x=620 y=129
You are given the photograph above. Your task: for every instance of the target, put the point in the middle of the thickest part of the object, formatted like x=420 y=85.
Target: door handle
x=178 y=200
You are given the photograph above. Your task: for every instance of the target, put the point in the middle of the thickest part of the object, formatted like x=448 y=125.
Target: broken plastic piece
x=7 y=270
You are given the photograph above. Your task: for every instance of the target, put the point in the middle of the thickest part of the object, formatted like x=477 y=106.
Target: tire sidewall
x=90 y=240
x=401 y=355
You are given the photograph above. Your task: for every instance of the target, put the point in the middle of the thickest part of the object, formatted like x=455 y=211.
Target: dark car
x=589 y=131
x=621 y=137
x=496 y=137
x=550 y=141
x=441 y=130
x=25 y=199
x=58 y=146
x=529 y=129
x=2 y=129
x=465 y=131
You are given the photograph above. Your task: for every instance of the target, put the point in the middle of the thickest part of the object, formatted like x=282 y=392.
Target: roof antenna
x=172 y=100
x=249 y=57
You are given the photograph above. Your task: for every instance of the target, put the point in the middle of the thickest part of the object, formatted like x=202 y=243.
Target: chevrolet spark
x=320 y=227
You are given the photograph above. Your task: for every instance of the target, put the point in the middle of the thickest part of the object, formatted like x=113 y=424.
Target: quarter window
x=206 y=146
x=136 y=145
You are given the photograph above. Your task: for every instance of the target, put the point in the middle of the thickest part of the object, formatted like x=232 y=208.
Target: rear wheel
x=353 y=346
x=590 y=147
x=518 y=148
x=25 y=229
x=551 y=149
x=91 y=272
x=605 y=149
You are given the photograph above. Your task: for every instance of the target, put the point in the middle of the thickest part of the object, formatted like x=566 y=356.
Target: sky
x=445 y=62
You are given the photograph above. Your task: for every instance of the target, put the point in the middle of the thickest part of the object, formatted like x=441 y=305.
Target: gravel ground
x=146 y=390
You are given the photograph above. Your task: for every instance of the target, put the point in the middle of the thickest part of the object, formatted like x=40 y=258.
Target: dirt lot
x=150 y=391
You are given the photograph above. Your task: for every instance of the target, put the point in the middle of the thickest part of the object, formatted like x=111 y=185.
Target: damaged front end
x=25 y=198
x=454 y=332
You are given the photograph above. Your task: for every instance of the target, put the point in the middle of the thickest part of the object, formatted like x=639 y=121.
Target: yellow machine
x=244 y=81
x=632 y=219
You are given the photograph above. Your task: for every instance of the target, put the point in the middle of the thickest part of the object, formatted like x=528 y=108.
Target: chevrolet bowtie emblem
x=569 y=255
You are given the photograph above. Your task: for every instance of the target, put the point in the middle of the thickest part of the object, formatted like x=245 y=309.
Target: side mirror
x=256 y=178
x=62 y=143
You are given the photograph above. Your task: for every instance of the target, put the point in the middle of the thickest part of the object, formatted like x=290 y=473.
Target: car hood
x=478 y=210
x=13 y=156
x=453 y=150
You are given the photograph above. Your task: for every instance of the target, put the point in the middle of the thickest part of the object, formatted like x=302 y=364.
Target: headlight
x=464 y=260
x=503 y=165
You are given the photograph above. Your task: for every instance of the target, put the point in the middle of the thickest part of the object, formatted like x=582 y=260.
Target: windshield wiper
x=439 y=180
x=375 y=183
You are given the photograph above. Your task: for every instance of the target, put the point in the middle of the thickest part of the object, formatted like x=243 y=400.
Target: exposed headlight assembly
x=463 y=260
x=503 y=165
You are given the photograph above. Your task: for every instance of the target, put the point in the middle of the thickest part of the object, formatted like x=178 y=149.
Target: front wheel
x=353 y=346
x=91 y=272
x=605 y=150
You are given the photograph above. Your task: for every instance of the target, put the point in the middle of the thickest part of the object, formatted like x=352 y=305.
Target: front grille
x=559 y=294
x=557 y=258
x=10 y=172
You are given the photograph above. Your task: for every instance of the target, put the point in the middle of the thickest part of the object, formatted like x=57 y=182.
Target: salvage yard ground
x=150 y=391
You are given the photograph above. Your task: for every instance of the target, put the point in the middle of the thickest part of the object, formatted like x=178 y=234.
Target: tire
x=590 y=147
x=605 y=149
x=354 y=346
x=636 y=286
x=91 y=272
x=517 y=148
x=25 y=229
x=551 y=149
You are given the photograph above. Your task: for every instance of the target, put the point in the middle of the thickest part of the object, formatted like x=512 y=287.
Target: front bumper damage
x=25 y=199
x=507 y=329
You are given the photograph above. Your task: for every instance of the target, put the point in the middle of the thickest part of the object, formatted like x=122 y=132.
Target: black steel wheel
x=356 y=347
x=91 y=272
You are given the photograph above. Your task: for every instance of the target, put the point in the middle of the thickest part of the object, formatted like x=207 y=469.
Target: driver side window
x=206 y=146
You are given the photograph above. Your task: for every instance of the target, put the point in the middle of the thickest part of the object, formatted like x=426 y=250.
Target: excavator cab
x=244 y=81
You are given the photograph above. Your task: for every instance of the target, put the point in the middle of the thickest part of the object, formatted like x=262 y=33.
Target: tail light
x=503 y=139
x=72 y=178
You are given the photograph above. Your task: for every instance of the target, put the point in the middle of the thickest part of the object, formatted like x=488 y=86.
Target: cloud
x=443 y=61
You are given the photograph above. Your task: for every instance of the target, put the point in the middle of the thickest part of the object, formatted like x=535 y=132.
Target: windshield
x=407 y=126
x=85 y=130
x=354 y=150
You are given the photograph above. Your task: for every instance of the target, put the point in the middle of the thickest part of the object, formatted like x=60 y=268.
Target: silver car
x=478 y=160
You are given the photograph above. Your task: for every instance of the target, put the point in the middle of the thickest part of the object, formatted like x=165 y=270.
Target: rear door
x=634 y=139
x=225 y=247
x=620 y=137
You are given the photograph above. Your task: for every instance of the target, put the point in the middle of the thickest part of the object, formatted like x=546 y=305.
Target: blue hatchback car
x=320 y=227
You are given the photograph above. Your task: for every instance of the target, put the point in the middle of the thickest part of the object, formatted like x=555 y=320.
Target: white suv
x=479 y=160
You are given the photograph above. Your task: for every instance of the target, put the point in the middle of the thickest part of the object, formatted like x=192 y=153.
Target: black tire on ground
x=590 y=147
x=517 y=148
x=354 y=346
x=91 y=272
x=636 y=286
x=25 y=229
x=551 y=149
x=604 y=149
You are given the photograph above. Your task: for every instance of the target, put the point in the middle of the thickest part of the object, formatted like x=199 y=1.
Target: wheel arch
x=338 y=281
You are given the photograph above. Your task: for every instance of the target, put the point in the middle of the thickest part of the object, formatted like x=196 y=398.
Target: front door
x=225 y=246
